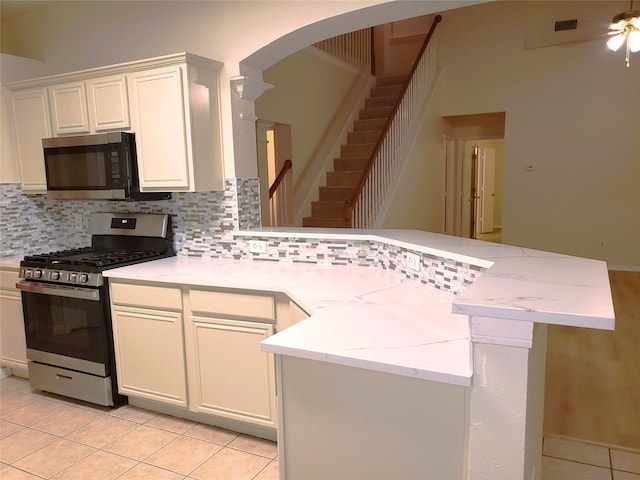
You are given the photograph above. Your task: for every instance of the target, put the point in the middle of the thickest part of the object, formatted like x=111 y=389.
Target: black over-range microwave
x=99 y=167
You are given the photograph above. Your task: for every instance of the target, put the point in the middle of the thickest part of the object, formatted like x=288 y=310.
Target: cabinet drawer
x=146 y=296
x=8 y=279
x=233 y=304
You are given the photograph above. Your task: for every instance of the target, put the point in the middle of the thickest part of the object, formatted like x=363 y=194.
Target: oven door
x=66 y=326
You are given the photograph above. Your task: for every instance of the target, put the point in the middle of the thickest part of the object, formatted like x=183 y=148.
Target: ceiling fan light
x=615 y=42
x=634 y=41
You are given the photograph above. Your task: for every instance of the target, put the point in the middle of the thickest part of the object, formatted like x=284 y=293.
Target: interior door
x=478 y=185
x=486 y=189
x=449 y=205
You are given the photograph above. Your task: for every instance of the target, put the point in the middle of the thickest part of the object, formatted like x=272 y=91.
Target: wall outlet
x=413 y=261
x=77 y=220
x=257 y=246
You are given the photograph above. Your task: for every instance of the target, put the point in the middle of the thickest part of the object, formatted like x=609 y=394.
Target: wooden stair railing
x=351 y=204
x=286 y=166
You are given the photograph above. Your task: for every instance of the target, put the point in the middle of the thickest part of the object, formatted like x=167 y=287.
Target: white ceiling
x=14 y=8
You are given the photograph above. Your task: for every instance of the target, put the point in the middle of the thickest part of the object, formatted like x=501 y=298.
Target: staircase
x=328 y=211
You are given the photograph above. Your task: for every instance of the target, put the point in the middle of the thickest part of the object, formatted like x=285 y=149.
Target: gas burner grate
x=90 y=257
x=115 y=258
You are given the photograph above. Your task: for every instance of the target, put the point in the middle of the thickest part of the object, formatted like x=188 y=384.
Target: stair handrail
x=286 y=166
x=353 y=200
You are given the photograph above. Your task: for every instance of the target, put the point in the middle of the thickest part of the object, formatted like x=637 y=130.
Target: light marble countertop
x=359 y=316
x=10 y=261
x=377 y=319
x=519 y=284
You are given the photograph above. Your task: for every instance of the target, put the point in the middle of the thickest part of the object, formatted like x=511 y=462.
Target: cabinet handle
x=66 y=377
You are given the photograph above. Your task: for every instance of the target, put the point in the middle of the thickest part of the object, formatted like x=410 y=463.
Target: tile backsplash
x=210 y=225
x=437 y=272
x=202 y=222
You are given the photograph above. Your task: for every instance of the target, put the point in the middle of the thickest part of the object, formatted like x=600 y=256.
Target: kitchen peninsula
x=422 y=355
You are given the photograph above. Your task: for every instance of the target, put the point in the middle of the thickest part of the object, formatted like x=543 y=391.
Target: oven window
x=76 y=167
x=66 y=326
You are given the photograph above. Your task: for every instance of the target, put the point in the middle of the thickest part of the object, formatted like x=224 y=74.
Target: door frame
x=461 y=193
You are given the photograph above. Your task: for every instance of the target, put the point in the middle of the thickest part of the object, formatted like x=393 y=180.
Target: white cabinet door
x=69 y=108
x=108 y=103
x=31 y=123
x=158 y=119
x=229 y=375
x=13 y=346
x=150 y=354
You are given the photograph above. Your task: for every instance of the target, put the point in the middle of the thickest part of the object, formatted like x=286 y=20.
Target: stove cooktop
x=91 y=258
x=81 y=266
x=117 y=240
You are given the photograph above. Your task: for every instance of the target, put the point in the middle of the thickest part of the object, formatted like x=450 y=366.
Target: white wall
x=309 y=90
x=571 y=112
x=418 y=199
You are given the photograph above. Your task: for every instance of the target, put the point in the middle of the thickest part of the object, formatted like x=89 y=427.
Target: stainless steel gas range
x=65 y=300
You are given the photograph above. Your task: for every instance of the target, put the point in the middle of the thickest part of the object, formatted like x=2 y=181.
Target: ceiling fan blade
x=614 y=43
x=634 y=41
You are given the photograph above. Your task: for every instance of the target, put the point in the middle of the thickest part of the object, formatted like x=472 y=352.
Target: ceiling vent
x=562 y=25
x=558 y=23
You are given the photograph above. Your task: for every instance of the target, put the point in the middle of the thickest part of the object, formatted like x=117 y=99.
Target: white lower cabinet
x=149 y=343
x=199 y=348
x=13 y=346
x=229 y=375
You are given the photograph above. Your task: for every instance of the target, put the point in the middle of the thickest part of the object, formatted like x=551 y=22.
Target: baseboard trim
x=624 y=268
x=591 y=442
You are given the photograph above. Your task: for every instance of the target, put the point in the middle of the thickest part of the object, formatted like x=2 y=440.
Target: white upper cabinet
x=108 y=103
x=171 y=103
x=175 y=113
x=31 y=123
x=69 y=108
x=95 y=105
x=159 y=122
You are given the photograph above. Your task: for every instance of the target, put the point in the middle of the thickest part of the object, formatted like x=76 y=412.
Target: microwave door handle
x=59 y=291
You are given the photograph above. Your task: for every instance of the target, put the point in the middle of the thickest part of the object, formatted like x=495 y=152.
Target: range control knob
x=37 y=274
x=54 y=275
x=83 y=278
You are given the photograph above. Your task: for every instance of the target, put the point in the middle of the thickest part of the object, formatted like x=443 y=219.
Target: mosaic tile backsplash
x=437 y=272
x=208 y=225
x=202 y=222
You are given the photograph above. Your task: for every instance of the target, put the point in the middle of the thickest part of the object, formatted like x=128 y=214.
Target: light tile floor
x=46 y=436
x=569 y=459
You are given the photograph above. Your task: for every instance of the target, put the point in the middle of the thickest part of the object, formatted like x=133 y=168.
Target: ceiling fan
x=625 y=28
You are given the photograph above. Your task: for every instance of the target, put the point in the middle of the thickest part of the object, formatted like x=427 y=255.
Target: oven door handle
x=59 y=290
